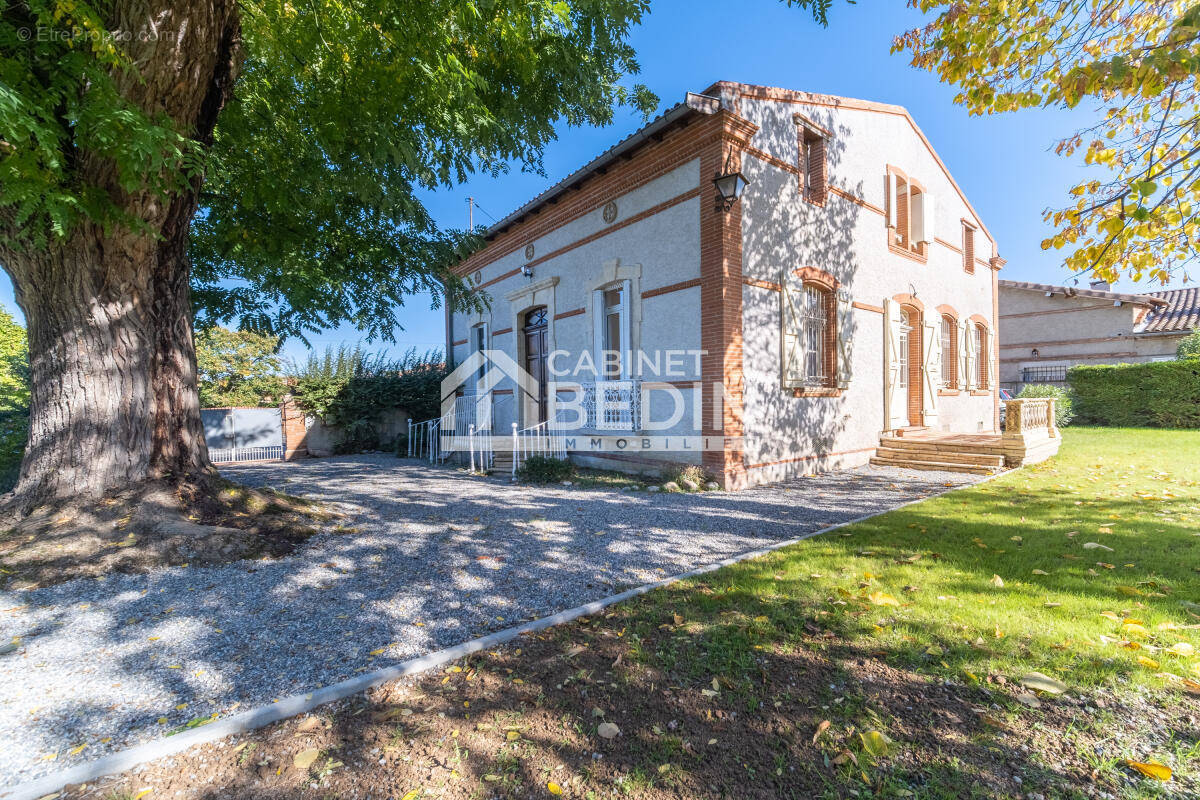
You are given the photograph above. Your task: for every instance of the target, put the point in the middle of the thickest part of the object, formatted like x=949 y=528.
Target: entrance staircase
x=1030 y=435
x=981 y=454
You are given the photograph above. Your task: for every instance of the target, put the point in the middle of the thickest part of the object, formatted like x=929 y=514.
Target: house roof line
x=633 y=140
x=1073 y=291
x=809 y=98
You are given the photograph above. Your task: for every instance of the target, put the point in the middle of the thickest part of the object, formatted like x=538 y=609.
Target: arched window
x=818 y=335
x=813 y=363
x=982 y=358
x=949 y=352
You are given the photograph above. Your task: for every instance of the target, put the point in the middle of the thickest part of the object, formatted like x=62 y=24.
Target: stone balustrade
x=1030 y=431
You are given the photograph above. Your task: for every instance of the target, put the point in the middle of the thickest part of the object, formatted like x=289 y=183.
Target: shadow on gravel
x=434 y=558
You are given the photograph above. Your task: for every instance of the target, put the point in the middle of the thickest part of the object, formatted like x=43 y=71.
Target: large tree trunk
x=114 y=399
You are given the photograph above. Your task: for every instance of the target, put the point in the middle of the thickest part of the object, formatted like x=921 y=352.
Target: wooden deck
x=979 y=453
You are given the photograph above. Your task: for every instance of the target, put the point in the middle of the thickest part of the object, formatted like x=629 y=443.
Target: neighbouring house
x=1045 y=329
x=765 y=283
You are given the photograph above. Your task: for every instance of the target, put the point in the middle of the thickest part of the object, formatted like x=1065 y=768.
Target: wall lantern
x=527 y=270
x=1034 y=352
x=730 y=184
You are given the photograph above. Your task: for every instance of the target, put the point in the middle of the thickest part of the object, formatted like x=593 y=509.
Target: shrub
x=690 y=472
x=1189 y=348
x=349 y=389
x=1162 y=394
x=1063 y=410
x=544 y=469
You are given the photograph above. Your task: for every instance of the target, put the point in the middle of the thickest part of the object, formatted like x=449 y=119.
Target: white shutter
x=971 y=364
x=895 y=409
x=925 y=228
x=598 y=331
x=626 y=329
x=845 y=339
x=932 y=373
x=791 y=344
x=891 y=200
x=991 y=362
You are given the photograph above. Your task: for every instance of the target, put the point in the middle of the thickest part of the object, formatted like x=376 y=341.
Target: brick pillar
x=721 y=300
x=295 y=433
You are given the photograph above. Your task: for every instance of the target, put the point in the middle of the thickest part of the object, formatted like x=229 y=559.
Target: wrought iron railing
x=1044 y=374
x=606 y=405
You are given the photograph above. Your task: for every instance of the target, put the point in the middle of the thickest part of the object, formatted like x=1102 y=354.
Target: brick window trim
x=968 y=246
x=816 y=173
x=828 y=285
x=948 y=312
x=920 y=251
x=982 y=358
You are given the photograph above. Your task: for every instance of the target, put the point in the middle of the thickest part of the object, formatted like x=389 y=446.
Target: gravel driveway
x=437 y=557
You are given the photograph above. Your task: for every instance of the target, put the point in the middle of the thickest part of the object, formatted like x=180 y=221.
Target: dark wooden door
x=534 y=332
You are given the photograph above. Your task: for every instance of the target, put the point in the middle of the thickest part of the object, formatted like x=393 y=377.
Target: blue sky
x=1005 y=164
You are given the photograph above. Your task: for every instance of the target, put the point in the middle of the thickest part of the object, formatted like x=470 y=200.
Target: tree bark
x=114 y=397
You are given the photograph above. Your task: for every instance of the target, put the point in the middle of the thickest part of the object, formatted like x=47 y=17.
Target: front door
x=906 y=334
x=534 y=331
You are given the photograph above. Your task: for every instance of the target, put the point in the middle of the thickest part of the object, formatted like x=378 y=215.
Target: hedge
x=1162 y=394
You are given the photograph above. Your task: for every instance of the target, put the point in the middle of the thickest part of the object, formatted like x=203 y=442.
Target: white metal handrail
x=536 y=440
x=424 y=439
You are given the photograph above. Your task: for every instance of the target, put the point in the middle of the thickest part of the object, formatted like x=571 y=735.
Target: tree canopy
x=238 y=368
x=341 y=113
x=1137 y=214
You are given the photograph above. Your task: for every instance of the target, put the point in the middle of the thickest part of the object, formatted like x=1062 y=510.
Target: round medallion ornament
x=610 y=211
x=529 y=251
x=478 y=276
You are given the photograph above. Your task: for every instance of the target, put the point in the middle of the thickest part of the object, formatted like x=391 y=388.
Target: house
x=760 y=281
x=1046 y=329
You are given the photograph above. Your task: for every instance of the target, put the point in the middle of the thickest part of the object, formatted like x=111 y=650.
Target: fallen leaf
x=1181 y=649
x=1151 y=769
x=305 y=758
x=1096 y=546
x=882 y=599
x=875 y=743
x=824 y=726
x=1029 y=700
x=553 y=788
x=1149 y=663
x=997 y=581
x=1042 y=683
x=608 y=730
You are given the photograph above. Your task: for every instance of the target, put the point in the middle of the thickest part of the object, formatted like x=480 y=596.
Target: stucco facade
x=1046 y=329
x=717 y=289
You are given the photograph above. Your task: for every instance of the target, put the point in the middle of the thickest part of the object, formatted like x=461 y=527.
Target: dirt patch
x=818 y=720
x=154 y=526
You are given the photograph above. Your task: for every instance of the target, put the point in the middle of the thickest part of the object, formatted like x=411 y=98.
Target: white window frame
x=479 y=342
x=624 y=327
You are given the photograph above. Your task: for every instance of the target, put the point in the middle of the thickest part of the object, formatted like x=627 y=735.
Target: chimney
x=1101 y=286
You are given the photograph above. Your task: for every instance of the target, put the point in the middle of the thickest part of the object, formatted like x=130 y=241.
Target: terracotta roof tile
x=1182 y=312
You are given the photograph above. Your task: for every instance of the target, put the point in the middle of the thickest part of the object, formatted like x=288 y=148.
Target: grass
x=881 y=660
x=922 y=585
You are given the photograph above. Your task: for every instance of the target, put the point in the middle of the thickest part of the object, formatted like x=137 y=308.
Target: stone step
x=934 y=446
x=902 y=454
x=975 y=469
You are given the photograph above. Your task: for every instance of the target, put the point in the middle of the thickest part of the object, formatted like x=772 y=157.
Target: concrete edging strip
x=300 y=703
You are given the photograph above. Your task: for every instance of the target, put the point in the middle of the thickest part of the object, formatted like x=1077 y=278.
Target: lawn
x=891 y=658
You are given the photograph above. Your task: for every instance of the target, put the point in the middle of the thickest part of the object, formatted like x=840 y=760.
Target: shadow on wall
x=782 y=232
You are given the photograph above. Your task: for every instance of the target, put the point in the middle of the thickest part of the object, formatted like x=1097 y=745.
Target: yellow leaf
x=1151 y=769
x=875 y=743
x=882 y=599
x=1133 y=629
x=553 y=788
x=1149 y=663
x=1110 y=615
x=413 y=794
x=1181 y=649
x=377 y=652
x=512 y=736
x=1042 y=683
x=77 y=750
x=305 y=758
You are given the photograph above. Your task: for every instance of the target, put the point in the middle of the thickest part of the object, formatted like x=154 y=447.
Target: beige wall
x=848 y=239
x=1072 y=330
